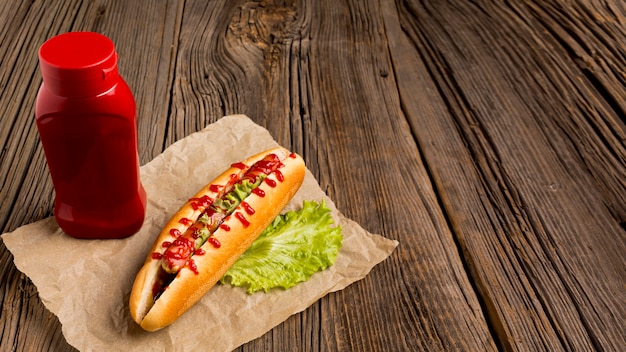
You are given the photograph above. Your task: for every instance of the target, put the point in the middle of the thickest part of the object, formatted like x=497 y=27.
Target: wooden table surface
x=487 y=137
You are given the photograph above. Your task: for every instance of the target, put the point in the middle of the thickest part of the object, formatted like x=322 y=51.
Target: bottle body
x=90 y=143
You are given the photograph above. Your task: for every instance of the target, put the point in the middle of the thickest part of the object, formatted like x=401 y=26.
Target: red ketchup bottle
x=86 y=119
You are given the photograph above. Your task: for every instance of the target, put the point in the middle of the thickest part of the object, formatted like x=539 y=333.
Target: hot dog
x=205 y=237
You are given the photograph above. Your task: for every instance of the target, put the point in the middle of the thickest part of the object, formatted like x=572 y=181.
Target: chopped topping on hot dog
x=182 y=249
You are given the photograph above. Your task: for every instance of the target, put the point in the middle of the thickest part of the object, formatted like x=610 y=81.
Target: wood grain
x=488 y=138
x=353 y=112
x=532 y=192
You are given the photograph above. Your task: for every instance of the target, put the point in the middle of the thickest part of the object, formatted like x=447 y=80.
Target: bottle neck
x=84 y=87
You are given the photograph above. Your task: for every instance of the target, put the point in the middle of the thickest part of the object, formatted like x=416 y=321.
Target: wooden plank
x=289 y=67
x=509 y=122
x=27 y=193
x=146 y=45
x=531 y=169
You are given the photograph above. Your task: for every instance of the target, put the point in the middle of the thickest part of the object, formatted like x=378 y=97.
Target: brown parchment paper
x=86 y=283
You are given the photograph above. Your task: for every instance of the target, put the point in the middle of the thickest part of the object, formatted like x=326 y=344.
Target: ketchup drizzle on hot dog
x=213 y=216
x=240 y=166
x=242 y=219
x=247 y=208
x=200 y=203
x=214 y=242
x=263 y=167
x=192 y=265
x=185 y=221
x=185 y=248
x=279 y=175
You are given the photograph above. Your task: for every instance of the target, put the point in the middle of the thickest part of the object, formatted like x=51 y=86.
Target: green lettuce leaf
x=295 y=246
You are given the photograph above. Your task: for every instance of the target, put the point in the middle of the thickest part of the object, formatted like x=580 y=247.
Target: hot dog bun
x=234 y=239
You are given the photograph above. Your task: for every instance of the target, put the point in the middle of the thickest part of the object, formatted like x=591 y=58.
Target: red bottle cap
x=78 y=64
